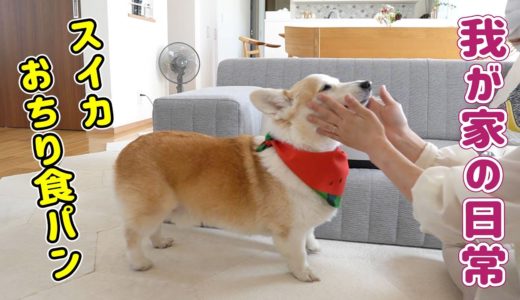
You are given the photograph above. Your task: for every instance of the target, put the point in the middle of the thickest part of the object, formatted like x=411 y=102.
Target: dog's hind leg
x=143 y=221
x=292 y=247
x=158 y=241
x=138 y=261
x=141 y=228
x=167 y=204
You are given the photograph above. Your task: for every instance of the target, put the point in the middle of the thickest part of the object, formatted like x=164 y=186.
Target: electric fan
x=179 y=63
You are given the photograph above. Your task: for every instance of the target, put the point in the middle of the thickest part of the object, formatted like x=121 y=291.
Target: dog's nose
x=366 y=85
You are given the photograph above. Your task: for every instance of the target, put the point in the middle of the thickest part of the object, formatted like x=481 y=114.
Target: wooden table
x=371 y=42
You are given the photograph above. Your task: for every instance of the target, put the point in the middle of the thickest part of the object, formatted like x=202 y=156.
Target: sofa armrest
x=218 y=111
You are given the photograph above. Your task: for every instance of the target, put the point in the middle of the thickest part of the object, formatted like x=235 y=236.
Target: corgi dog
x=230 y=184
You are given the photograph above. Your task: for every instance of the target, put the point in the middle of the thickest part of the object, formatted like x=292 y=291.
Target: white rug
x=203 y=263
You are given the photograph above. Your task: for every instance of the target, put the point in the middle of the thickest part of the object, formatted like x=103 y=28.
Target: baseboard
x=139 y=125
x=122 y=130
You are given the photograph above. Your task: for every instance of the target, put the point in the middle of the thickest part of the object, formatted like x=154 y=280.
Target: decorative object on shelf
x=179 y=63
x=437 y=4
x=388 y=15
x=308 y=15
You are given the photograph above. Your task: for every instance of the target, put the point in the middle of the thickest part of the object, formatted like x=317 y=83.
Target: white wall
x=230 y=27
x=181 y=28
x=132 y=46
x=97 y=9
x=212 y=27
x=206 y=41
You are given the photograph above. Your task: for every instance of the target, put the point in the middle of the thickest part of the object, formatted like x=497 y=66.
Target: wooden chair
x=252 y=47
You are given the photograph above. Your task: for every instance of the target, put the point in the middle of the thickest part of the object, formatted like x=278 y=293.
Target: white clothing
x=437 y=201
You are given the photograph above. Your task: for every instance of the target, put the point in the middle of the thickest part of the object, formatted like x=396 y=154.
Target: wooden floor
x=16 y=152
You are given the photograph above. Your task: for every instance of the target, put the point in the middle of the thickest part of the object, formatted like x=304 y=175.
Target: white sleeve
x=439 y=192
x=448 y=156
x=436 y=203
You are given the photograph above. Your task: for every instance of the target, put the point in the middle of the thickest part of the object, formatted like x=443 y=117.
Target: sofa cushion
x=232 y=114
x=374 y=211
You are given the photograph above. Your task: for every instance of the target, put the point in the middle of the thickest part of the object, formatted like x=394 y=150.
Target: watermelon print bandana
x=325 y=172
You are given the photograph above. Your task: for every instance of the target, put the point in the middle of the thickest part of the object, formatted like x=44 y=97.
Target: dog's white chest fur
x=309 y=209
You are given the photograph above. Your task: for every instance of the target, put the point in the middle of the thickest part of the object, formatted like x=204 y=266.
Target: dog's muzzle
x=366 y=90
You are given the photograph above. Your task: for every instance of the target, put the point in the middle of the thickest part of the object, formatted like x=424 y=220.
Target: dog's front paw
x=306 y=275
x=312 y=246
x=141 y=265
x=162 y=243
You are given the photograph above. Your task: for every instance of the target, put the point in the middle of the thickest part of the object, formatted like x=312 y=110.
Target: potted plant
x=388 y=15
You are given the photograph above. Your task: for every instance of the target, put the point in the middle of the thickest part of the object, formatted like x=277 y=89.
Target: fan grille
x=173 y=53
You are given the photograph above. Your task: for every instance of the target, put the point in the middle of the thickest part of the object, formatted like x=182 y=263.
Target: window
x=469 y=8
x=141 y=9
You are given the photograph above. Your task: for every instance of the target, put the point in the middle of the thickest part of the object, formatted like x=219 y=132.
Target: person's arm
x=400 y=170
x=359 y=128
x=409 y=143
x=391 y=115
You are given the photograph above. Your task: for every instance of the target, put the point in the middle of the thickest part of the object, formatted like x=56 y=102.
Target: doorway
x=258 y=9
x=31 y=28
x=274 y=5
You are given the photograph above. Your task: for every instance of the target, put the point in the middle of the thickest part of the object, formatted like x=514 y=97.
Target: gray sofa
x=372 y=210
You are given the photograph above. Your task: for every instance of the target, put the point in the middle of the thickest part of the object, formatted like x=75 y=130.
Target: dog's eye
x=325 y=88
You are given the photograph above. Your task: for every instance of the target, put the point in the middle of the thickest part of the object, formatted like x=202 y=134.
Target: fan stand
x=180 y=81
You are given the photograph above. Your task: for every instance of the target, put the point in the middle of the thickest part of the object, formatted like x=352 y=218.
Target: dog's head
x=287 y=112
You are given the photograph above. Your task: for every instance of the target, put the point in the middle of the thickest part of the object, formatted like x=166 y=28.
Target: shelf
x=141 y=18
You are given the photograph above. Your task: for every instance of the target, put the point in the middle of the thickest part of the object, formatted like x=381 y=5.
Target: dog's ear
x=270 y=101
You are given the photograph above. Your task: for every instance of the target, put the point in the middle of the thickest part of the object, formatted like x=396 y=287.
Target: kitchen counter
x=366 y=38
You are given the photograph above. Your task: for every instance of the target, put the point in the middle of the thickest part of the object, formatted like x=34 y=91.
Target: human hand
x=390 y=113
x=355 y=126
x=360 y=128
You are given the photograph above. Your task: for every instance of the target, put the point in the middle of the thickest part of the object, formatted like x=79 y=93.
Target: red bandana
x=325 y=172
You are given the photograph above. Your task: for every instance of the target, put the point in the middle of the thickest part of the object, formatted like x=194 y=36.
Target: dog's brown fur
x=151 y=169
